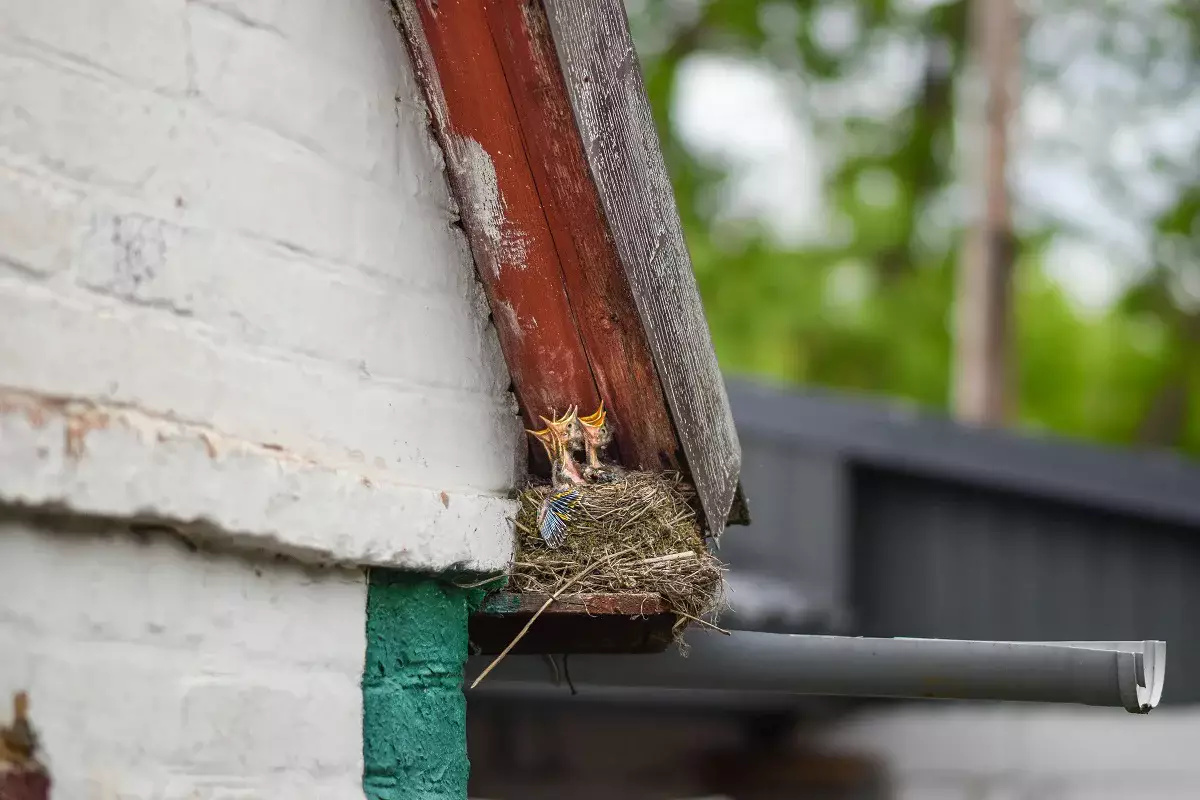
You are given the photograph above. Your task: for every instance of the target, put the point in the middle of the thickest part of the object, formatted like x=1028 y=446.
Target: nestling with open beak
x=557 y=438
x=556 y=509
x=596 y=435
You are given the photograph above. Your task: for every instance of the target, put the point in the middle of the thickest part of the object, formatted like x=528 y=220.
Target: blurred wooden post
x=22 y=775
x=983 y=345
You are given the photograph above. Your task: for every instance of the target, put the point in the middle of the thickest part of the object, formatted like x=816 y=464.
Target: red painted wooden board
x=561 y=296
x=567 y=322
x=601 y=301
x=503 y=215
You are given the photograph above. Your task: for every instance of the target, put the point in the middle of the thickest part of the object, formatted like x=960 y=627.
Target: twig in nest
x=590 y=567
x=671 y=557
x=483 y=582
x=652 y=513
x=703 y=622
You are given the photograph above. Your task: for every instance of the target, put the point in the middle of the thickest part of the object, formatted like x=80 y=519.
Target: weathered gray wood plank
x=612 y=112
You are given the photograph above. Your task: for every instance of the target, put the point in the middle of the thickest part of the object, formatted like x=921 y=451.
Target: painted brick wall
x=1016 y=752
x=158 y=672
x=224 y=222
x=234 y=300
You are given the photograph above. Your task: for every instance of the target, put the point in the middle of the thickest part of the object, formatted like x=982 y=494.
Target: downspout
x=1128 y=675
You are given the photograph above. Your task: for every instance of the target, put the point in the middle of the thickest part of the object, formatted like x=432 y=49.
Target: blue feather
x=554 y=515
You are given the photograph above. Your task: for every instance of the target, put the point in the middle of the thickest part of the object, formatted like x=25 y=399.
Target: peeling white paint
x=509 y=317
x=407 y=20
x=234 y=312
x=484 y=203
x=486 y=207
x=480 y=198
x=515 y=247
x=118 y=462
x=151 y=248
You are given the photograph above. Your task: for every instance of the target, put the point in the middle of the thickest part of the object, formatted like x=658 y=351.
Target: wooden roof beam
x=541 y=113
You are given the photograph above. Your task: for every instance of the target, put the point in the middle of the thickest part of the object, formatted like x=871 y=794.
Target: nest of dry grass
x=637 y=535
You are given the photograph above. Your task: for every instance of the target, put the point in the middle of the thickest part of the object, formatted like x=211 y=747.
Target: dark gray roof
x=1156 y=484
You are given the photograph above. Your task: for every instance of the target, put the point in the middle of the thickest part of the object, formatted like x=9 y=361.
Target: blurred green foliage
x=1128 y=373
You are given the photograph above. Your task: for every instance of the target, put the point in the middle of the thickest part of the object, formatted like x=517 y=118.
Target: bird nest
x=637 y=534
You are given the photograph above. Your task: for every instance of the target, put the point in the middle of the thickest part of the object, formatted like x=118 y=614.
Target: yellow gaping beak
x=561 y=427
x=595 y=420
x=547 y=438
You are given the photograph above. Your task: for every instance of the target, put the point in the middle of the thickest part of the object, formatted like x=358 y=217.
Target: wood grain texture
x=587 y=623
x=564 y=198
x=477 y=126
x=527 y=603
x=602 y=303
x=612 y=114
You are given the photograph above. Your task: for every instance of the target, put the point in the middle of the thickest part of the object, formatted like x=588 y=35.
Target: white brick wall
x=228 y=215
x=156 y=673
x=1018 y=752
x=233 y=299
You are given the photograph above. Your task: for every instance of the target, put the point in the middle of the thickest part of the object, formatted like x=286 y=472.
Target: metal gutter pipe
x=1115 y=674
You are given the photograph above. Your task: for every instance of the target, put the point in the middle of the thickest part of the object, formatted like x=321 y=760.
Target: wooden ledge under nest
x=632 y=573
x=574 y=623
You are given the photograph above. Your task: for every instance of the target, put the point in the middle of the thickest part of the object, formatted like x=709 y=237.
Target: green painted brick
x=414 y=712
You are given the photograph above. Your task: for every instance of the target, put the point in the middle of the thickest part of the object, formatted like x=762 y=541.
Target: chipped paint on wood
x=572 y=223
x=475 y=123
x=602 y=304
x=595 y=51
x=569 y=329
x=486 y=206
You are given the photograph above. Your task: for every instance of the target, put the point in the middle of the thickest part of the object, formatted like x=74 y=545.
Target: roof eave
x=572 y=222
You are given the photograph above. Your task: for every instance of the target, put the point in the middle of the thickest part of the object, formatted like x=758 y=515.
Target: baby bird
x=596 y=435
x=554 y=514
x=557 y=438
x=555 y=511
